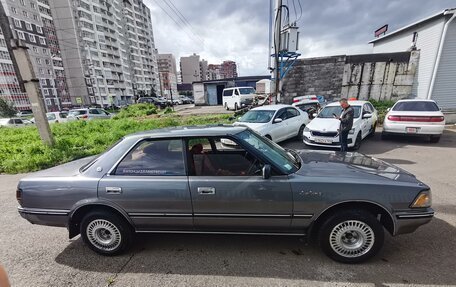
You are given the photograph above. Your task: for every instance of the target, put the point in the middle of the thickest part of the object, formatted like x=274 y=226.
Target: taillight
x=19 y=195
x=84 y=117
x=435 y=119
x=295 y=100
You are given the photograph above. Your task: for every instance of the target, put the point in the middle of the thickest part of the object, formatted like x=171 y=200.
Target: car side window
x=366 y=109
x=154 y=158
x=236 y=92
x=227 y=93
x=282 y=114
x=221 y=157
x=291 y=113
x=63 y=115
x=94 y=111
x=371 y=107
x=51 y=117
x=18 y=121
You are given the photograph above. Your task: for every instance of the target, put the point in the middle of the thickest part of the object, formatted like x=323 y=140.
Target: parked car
x=14 y=122
x=88 y=114
x=24 y=114
x=414 y=118
x=276 y=122
x=162 y=104
x=184 y=180
x=186 y=100
x=309 y=104
x=178 y=101
x=55 y=117
x=323 y=131
x=238 y=97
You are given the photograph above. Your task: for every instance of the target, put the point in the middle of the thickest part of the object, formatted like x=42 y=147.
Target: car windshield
x=257 y=116
x=273 y=152
x=77 y=112
x=328 y=112
x=416 y=106
x=246 y=91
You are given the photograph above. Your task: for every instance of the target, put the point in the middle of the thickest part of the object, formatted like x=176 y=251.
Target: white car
x=414 y=117
x=55 y=117
x=88 y=114
x=238 y=97
x=323 y=131
x=14 y=122
x=276 y=122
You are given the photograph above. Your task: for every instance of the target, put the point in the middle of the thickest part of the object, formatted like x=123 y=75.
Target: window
x=21 y=35
x=94 y=112
x=291 y=113
x=236 y=92
x=49 y=72
x=45 y=51
x=32 y=38
x=227 y=93
x=35 y=17
x=25 y=14
x=35 y=49
x=32 y=5
x=14 y=10
x=42 y=81
x=17 y=23
x=28 y=26
x=22 y=2
x=154 y=158
x=221 y=157
x=416 y=106
x=38 y=60
x=45 y=92
x=47 y=62
x=39 y=30
x=42 y=41
x=51 y=117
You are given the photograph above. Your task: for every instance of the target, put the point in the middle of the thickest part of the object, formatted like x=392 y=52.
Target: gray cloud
x=238 y=29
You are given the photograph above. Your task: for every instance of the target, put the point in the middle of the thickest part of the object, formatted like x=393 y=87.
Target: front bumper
x=311 y=140
x=49 y=217
x=409 y=221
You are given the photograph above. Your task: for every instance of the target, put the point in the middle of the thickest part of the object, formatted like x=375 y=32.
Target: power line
x=300 y=8
x=182 y=18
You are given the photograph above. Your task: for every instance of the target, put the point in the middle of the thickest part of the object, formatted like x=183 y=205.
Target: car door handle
x=206 y=190
x=113 y=190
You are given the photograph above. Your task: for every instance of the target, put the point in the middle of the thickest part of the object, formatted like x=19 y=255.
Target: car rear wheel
x=235 y=106
x=106 y=233
x=435 y=139
x=351 y=236
x=300 y=135
x=372 y=132
x=226 y=107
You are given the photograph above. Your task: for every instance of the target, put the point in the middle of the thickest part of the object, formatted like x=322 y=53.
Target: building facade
x=168 y=75
x=109 y=52
x=214 y=72
x=435 y=38
x=10 y=89
x=190 y=69
x=229 y=69
x=33 y=24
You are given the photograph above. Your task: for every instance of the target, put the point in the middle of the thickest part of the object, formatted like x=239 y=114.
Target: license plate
x=412 y=130
x=323 y=141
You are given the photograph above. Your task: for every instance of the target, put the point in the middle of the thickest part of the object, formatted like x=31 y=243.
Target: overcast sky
x=238 y=29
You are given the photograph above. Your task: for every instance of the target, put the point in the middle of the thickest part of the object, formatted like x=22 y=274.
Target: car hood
x=254 y=126
x=349 y=165
x=325 y=124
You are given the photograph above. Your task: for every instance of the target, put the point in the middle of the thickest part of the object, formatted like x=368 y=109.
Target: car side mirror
x=367 y=116
x=278 y=120
x=266 y=171
x=314 y=115
x=388 y=109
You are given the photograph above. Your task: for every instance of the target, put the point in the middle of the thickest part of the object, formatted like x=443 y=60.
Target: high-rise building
x=214 y=72
x=168 y=75
x=229 y=69
x=190 y=69
x=203 y=70
x=109 y=51
x=10 y=90
x=33 y=23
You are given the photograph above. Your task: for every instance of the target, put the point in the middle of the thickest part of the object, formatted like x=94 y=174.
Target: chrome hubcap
x=352 y=238
x=103 y=234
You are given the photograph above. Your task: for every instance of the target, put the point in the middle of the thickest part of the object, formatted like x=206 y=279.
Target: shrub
x=382 y=107
x=136 y=110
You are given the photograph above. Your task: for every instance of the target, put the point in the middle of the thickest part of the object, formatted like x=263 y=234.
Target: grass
x=21 y=149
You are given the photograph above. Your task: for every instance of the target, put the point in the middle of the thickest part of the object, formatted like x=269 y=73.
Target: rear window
x=418 y=106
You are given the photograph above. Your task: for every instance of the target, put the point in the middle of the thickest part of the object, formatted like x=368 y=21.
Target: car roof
x=416 y=100
x=351 y=103
x=190 y=131
x=272 y=107
x=237 y=88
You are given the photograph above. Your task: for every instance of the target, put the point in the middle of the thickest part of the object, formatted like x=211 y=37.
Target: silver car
x=183 y=180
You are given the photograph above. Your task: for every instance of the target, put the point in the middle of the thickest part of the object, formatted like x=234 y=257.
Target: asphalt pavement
x=44 y=256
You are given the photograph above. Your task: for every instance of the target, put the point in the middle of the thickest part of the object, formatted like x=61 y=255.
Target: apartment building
x=214 y=72
x=229 y=70
x=109 y=53
x=168 y=75
x=32 y=23
x=10 y=90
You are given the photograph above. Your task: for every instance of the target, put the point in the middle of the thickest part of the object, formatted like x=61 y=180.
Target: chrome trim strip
x=43 y=211
x=220 y=232
x=303 y=215
x=424 y=215
x=151 y=214
x=240 y=215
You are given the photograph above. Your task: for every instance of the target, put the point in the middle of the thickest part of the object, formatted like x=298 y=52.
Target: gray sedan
x=184 y=180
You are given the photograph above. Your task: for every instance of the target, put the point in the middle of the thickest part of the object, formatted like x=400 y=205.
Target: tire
x=300 y=135
x=434 y=139
x=99 y=226
x=351 y=236
x=372 y=133
x=357 y=142
x=235 y=106
x=226 y=107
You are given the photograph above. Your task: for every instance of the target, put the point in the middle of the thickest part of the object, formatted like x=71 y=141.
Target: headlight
x=423 y=199
x=352 y=131
x=306 y=129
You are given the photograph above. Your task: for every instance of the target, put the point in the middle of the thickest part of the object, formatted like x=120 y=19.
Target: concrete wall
x=376 y=76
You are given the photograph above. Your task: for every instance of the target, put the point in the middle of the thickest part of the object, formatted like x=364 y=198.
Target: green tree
x=6 y=109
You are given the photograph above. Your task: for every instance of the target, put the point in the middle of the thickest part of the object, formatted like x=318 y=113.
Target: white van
x=238 y=97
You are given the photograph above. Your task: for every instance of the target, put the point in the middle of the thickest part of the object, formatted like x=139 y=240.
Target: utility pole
x=277 y=31
x=27 y=79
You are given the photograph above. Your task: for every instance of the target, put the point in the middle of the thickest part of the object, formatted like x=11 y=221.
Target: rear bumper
x=49 y=217
x=401 y=128
x=408 y=222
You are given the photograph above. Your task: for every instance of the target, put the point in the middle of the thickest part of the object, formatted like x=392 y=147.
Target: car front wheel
x=351 y=236
x=106 y=233
x=357 y=142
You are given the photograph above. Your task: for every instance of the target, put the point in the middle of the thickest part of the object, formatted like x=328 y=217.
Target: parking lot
x=43 y=256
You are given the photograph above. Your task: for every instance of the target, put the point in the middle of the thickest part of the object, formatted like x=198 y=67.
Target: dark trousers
x=343 y=140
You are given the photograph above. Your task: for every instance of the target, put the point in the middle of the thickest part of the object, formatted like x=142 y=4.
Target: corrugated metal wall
x=429 y=34
x=444 y=92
